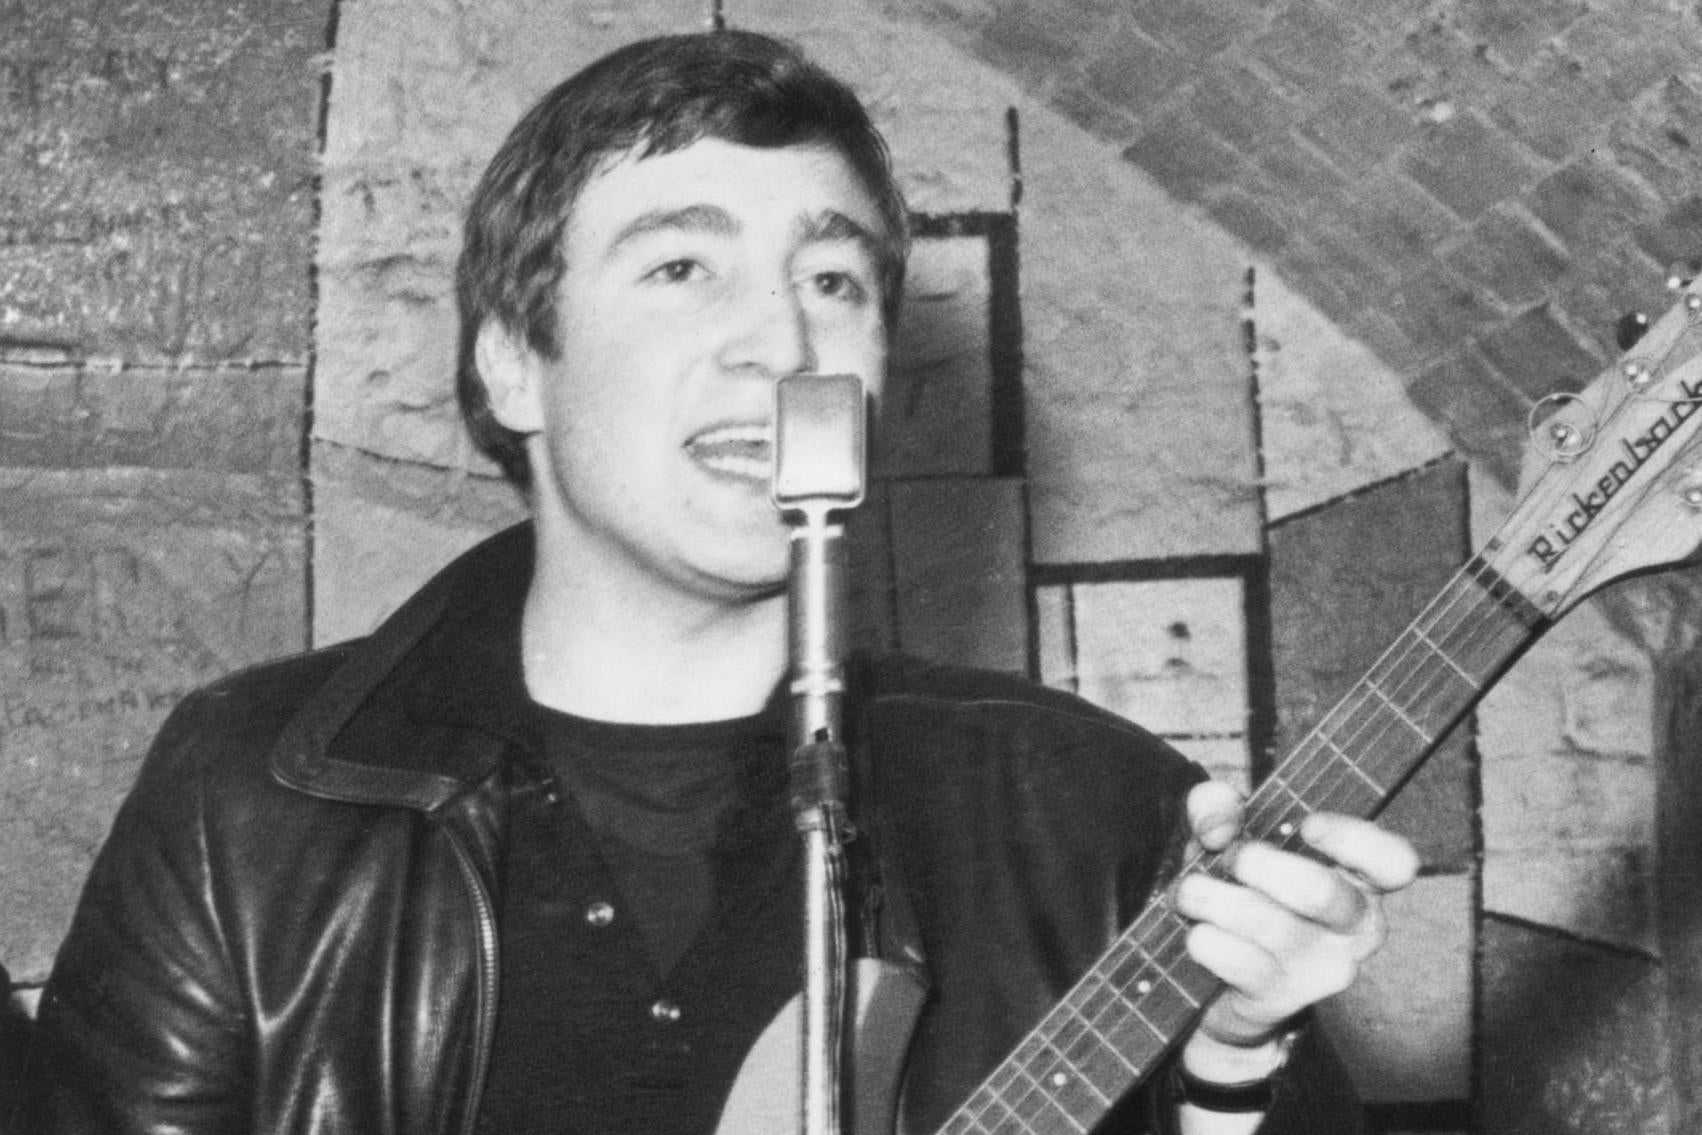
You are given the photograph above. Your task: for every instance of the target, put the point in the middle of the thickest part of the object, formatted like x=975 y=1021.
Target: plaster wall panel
x=943 y=115
x=1404 y=1029
x=158 y=187
x=1333 y=417
x=120 y=591
x=70 y=416
x=1055 y=637
x=1228 y=759
x=1574 y=1038
x=1569 y=781
x=1224 y=756
x=1169 y=655
x=422 y=95
x=1346 y=579
x=382 y=528
x=958 y=571
x=1569 y=786
x=937 y=411
x=871 y=596
x=1140 y=426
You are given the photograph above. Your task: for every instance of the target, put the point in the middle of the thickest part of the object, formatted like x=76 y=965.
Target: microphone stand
x=819 y=424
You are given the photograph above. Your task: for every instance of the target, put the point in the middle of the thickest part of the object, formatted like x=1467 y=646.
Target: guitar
x=1611 y=487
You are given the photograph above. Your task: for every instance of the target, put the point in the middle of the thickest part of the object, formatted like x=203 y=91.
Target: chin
x=756 y=575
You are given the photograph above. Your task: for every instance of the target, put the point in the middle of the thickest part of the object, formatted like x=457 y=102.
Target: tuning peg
x=1630 y=328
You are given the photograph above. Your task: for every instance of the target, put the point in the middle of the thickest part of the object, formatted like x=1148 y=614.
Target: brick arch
x=1476 y=191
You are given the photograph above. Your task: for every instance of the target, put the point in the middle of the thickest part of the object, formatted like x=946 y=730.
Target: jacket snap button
x=599 y=914
x=665 y=1011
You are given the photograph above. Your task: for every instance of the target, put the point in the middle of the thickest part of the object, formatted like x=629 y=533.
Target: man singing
x=522 y=860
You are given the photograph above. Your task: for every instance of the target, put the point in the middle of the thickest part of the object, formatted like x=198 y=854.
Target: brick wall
x=157 y=190
x=1478 y=191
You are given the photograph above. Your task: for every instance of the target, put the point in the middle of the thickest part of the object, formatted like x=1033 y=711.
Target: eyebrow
x=827 y=226
x=831 y=225
x=710 y=219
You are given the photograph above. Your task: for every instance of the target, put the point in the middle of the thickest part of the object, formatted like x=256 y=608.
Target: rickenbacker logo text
x=1548 y=548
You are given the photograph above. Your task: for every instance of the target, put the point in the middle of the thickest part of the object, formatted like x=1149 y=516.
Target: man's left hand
x=1288 y=931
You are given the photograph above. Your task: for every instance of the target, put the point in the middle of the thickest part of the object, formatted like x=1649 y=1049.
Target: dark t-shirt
x=648 y=924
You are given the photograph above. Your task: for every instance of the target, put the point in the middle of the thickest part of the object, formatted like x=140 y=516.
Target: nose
x=769 y=335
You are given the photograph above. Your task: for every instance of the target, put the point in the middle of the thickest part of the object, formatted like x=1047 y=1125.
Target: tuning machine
x=1690 y=488
x=1561 y=427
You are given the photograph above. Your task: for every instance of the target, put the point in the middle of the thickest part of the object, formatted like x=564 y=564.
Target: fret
x=1059 y=1063
x=1425 y=640
x=1100 y=1064
x=1378 y=790
x=1509 y=598
x=1426 y=682
x=1399 y=713
x=1033 y=1105
x=1321 y=776
x=1046 y=1094
x=1099 y=1061
x=1040 y=1080
x=1027 y=1100
x=1271 y=817
x=985 y=1110
x=1098 y=1040
x=1070 y=1085
x=1280 y=785
x=1133 y=1036
x=1160 y=985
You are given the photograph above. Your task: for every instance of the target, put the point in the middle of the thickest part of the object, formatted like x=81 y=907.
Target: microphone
x=820 y=427
x=820 y=444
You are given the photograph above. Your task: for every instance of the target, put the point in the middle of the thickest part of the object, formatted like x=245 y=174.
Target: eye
x=679 y=271
x=839 y=286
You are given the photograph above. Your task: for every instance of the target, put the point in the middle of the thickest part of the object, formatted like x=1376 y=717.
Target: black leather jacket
x=291 y=926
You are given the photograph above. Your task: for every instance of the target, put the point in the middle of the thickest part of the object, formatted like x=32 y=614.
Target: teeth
x=745 y=434
x=735 y=450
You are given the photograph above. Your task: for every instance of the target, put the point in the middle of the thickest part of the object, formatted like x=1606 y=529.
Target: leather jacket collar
x=422 y=710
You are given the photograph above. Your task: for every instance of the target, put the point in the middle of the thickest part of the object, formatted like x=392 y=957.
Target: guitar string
x=1619 y=398
x=1297 y=779
x=1477 y=598
x=1464 y=604
x=1294 y=772
x=1045 y=1038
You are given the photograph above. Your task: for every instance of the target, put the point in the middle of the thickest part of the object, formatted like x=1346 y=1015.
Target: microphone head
x=820 y=442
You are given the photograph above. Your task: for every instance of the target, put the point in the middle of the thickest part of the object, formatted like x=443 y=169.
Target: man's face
x=692 y=281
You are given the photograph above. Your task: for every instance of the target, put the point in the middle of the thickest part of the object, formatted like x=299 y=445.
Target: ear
x=511 y=372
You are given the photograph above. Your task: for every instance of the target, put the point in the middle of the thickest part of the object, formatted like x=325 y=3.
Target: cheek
x=870 y=364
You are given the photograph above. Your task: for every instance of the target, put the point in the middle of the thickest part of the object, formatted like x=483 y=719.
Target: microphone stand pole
x=818 y=470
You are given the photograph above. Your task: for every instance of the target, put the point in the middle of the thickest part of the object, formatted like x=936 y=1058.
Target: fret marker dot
x=1287 y=829
x=1059 y=1079
x=1143 y=987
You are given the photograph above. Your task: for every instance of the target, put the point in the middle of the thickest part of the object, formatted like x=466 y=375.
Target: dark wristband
x=1236 y=1099
x=1243 y=1098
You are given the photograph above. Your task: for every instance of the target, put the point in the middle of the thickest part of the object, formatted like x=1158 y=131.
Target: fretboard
x=1144 y=993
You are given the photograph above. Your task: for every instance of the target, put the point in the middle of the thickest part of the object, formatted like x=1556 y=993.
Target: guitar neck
x=1144 y=993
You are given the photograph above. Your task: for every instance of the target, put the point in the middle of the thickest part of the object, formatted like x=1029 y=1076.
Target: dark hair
x=665 y=94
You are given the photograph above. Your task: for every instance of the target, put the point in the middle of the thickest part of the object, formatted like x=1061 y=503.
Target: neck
x=653 y=658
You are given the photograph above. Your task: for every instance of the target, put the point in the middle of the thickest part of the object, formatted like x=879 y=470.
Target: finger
x=1385 y=861
x=1214 y=814
x=1238 y=963
x=1309 y=889
x=1241 y=911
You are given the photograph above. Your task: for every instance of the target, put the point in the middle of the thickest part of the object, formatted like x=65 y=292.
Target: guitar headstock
x=1612 y=484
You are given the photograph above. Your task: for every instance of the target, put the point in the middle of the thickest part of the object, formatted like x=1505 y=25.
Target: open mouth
x=743 y=451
